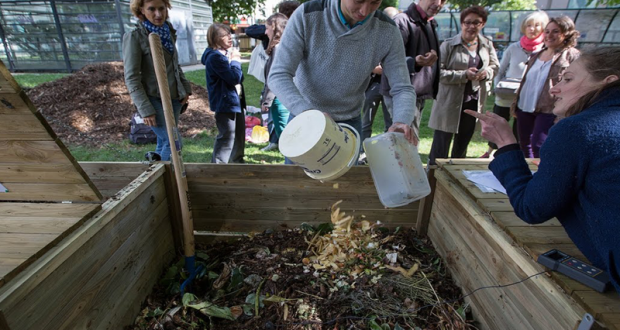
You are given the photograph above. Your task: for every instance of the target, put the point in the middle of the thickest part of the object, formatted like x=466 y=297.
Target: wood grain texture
x=491 y=221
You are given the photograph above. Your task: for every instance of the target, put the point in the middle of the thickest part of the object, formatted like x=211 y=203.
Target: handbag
x=507 y=87
x=257 y=63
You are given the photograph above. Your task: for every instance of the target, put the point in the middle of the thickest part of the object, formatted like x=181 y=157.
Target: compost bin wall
x=97 y=277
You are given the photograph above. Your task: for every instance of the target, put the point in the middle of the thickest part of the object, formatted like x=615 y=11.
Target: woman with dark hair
x=534 y=104
x=279 y=114
x=140 y=76
x=223 y=73
x=468 y=64
x=578 y=179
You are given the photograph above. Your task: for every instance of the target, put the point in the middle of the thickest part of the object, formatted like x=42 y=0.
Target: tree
x=384 y=3
x=515 y=5
x=229 y=10
x=458 y=5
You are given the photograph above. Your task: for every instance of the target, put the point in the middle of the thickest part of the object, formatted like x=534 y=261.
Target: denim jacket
x=140 y=77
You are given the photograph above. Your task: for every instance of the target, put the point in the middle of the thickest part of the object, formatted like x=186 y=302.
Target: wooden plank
x=53 y=192
x=44 y=210
x=60 y=290
x=526 y=298
x=24 y=243
x=549 y=236
x=36 y=173
x=510 y=219
x=101 y=170
x=30 y=225
x=542 y=290
x=40 y=152
x=426 y=204
x=15 y=104
x=25 y=127
x=496 y=205
x=8 y=84
x=612 y=320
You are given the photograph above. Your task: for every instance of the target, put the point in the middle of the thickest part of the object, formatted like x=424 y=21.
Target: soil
x=93 y=107
x=273 y=264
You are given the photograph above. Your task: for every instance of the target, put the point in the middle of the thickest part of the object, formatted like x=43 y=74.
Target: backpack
x=139 y=132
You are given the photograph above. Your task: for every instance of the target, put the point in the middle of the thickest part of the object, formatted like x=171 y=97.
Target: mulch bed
x=292 y=294
x=93 y=107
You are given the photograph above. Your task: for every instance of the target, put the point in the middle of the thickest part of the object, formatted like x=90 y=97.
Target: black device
x=576 y=269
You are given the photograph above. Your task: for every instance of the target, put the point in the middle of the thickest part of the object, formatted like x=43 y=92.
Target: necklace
x=473 y=43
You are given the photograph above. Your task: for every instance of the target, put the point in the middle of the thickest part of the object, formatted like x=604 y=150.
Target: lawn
x=199 y=148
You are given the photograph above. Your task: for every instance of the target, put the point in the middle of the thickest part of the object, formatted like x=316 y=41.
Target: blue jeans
x=354 y=122
x=163 y=144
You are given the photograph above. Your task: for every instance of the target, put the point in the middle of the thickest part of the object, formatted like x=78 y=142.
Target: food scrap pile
x=93 y=106
x=344 y=274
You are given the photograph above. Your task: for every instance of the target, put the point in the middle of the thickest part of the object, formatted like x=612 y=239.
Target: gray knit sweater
x=322 y=64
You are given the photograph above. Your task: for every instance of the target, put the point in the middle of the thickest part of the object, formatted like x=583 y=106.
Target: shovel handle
x=177 y=161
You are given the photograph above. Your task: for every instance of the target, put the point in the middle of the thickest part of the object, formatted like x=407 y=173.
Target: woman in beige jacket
x=468 y=64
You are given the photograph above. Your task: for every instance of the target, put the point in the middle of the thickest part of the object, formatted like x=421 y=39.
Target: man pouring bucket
x=341 y=53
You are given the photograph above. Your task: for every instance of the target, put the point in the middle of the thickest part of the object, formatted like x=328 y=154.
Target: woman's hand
x=150 y=120
x=482 y=75
x=494 y=128
x=235 y=55
x=264 y=108
x=471 y=74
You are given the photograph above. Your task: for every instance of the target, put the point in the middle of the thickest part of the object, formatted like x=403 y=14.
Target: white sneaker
x=270 y=146
x=362 y=159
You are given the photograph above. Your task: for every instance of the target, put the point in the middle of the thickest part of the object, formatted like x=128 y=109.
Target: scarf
x=532 y=45
x=164 y=34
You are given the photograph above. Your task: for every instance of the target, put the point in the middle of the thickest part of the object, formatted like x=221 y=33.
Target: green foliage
x=30 y=80
x=229 y=10
x=515 y=5
x=462 y=4
x=609 y=3
x=388 y=3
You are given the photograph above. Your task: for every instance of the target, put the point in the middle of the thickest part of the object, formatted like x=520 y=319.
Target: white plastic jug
x=396 y=169
x=324 y=149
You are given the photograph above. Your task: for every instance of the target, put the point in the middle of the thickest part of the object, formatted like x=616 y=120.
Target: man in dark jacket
x=419 y=31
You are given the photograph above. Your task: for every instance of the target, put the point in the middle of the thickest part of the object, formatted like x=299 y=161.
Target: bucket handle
x=357 y=143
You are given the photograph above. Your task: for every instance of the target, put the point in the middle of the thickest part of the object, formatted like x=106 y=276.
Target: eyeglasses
x=472 y=23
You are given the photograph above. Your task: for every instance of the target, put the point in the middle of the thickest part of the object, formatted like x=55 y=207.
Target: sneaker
x=152 y=156
x=270 y=146
x=485 y=155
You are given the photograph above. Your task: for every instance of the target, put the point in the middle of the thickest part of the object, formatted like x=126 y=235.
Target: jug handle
x=358 y=143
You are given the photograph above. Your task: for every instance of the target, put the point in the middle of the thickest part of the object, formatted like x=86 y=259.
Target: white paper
x=485 y=180
x=3 y=188
x=139 y=120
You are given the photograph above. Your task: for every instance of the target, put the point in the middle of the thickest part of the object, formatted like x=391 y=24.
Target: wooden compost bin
x=485 y=244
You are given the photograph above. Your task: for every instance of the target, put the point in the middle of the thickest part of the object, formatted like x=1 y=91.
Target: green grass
x=30 y=80
x=200 y=148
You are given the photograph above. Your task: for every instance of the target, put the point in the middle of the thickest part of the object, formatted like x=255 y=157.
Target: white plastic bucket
x=324 y=149
x=396 y=169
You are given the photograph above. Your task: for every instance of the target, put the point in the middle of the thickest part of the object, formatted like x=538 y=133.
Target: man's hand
x=427 y=59
x=150 y=120
x=183 y=101
x=405 y=129
x=494 y=128
x=378 y=70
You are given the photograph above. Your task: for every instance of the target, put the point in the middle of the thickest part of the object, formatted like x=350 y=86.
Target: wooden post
x=424 y=213
x=177 y=161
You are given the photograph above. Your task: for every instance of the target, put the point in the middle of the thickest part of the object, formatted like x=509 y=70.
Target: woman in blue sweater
x=223 y=73
x=578 y=180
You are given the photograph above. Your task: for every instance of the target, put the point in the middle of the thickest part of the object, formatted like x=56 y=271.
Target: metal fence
x=61 y=35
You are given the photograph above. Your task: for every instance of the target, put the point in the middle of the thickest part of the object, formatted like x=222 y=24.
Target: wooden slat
x=23 y=127
x=8 y=85
x=509 y=219
x=27 y=231
x=14 y=104
x=54 y=192
x=496 y=205
x=35 y=173
x=38 y=152
x=535 y=299
x=539 y=235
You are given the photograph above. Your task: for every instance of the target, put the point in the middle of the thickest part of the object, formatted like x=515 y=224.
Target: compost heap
x=93 y=106
x=345 y=274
